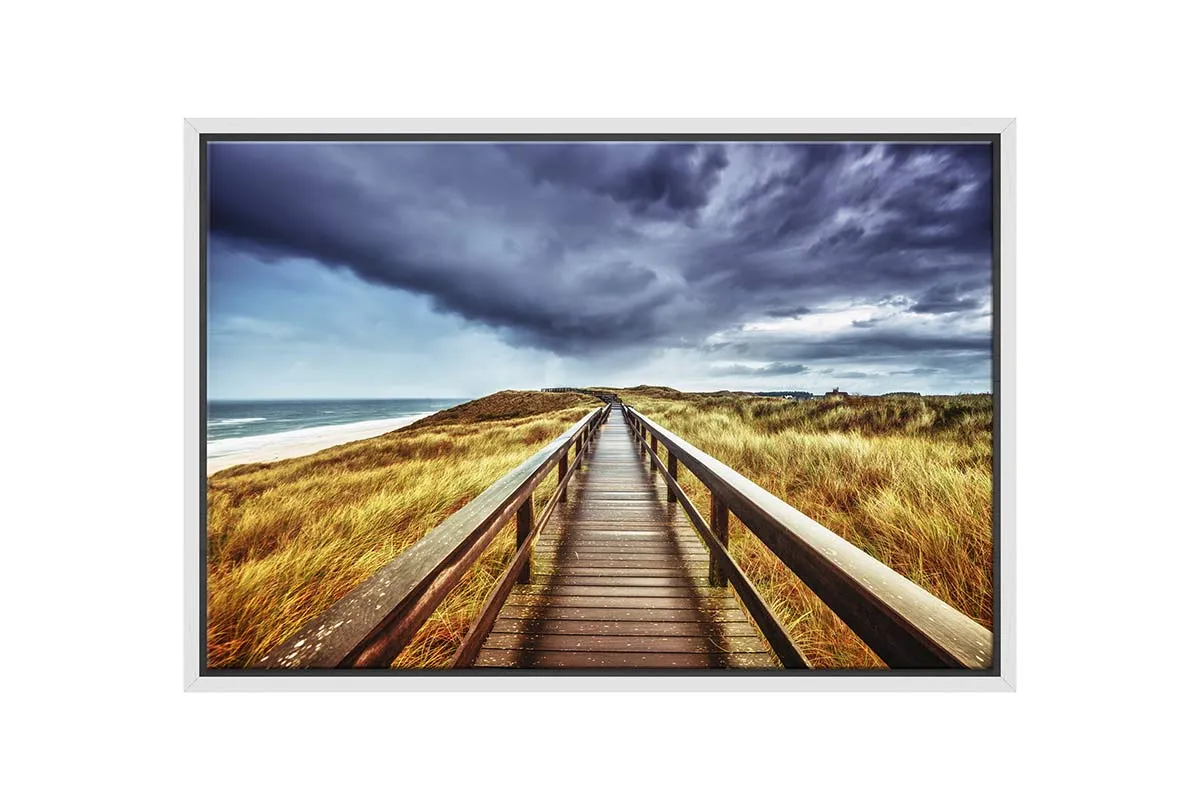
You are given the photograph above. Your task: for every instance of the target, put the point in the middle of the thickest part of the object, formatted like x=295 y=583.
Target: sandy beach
x=225 y=453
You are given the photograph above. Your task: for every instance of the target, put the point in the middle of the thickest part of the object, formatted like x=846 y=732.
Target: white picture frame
x=1003 y=675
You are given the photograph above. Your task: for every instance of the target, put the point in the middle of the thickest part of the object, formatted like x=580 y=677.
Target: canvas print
x=563 y=405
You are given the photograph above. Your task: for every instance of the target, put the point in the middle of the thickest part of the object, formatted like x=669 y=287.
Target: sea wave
x=240 y=420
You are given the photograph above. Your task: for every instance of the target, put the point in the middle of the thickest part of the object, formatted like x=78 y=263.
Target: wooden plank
x=626 y=602
x=618 y=533
x=570 y=567
x=617 y=513
x=698 y=628
x=567 y=554
x=599 y=590
x=631 y=534
x=641 y=614
x=624 y=660
x=644 y=544
x=611 y=643
x=661 y=539
x=558 y=580
x=688 y=553
x=624 y=569
x=600 y=559
x=610 y=520
x=691 y=565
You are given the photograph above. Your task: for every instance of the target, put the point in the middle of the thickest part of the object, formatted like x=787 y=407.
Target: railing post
x=718 y=521
x=524 y=525
x=653 y=444
x=562 y=472
x=673 y=472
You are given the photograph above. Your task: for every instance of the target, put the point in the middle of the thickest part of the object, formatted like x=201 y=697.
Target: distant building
x=836 y=394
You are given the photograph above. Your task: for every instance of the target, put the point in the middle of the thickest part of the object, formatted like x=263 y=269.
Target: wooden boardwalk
x=620 y=579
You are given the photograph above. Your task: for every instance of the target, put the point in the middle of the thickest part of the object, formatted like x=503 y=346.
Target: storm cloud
x=755 y=259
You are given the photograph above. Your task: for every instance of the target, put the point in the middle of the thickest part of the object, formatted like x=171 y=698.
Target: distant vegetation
x=503 y=405
x=906 y=478
x=793 y=394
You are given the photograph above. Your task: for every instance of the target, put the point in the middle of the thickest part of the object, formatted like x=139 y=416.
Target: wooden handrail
x=371 y=625
x=518 y=569
x=905 y=625
x=730 y=572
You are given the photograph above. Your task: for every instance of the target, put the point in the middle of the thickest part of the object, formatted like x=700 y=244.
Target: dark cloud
x=873 y=343
x=603 y=247
x=943 y=297
x=965 y=356
x=787 y=312
x=662 y=178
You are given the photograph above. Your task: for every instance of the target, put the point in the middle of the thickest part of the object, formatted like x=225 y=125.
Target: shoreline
x=287 y=444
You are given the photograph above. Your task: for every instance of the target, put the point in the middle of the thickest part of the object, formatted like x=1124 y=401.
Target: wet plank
x=559 y=572
x=680 y=592
x=624 y=602
x=629 y=643
x=593 y=559
x=627 y=615
x=624 y=660
x=563 y=579
x=699 y=627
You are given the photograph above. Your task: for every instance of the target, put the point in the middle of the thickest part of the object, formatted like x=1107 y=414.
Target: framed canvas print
x=617 y=404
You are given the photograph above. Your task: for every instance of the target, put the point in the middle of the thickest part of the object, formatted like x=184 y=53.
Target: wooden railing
x=372 y=624
x=902 y=623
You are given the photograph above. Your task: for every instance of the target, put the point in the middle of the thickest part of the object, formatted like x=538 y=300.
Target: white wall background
x=91 y=329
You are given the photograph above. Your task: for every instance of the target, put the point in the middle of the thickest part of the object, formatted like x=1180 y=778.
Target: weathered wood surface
x=370 y=625
x=905 y=625
x=620 y=579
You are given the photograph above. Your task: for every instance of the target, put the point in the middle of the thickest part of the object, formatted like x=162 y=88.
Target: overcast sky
x=458 y=269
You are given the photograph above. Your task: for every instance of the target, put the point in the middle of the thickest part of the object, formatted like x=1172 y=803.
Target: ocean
x=238 y=427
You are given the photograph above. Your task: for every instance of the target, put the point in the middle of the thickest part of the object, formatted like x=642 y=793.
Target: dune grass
x=906 y=479
x=286 y=540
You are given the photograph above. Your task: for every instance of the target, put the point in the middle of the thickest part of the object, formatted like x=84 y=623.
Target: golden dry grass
x=286 y=540
x=907 y=479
